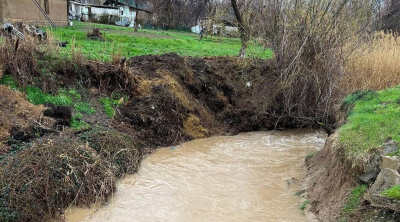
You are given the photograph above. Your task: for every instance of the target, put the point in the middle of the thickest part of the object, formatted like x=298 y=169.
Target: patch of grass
x=393 y=192
x=70 y=98
x=82 y=107
x=349 y=101
x=77 y=122
x=37 y=97
x=128 y=43
x=373 y=119
x=9 y=81
x=304 y=205
x=109 y=106
x=355 y=199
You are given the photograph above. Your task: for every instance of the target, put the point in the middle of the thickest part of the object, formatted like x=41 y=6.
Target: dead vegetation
x=375 y=65
x=55 y=172
x=15 y=111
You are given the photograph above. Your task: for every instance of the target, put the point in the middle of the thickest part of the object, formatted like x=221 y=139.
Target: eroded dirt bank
x=163 y=100
x=338 y=188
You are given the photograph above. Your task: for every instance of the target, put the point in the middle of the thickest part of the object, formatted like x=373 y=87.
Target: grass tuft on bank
x=393 y=192
x=353 y=202
x=123 y=41
x=374 y=119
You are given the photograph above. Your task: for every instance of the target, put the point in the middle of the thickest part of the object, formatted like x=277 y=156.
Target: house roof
x=132 y=3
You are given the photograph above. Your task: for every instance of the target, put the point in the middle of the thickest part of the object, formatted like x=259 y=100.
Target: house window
x=47 y=7
x=122 y=12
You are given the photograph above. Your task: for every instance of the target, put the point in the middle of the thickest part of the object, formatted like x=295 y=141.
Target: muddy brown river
x=239 y=178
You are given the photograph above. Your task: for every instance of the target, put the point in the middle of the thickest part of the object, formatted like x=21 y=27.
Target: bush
x=39 y=182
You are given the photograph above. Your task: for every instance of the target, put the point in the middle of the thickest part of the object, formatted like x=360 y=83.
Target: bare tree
x=242 y=28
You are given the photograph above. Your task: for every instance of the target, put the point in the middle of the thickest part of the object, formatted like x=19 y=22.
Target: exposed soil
x=329 y=181
x=226 y=95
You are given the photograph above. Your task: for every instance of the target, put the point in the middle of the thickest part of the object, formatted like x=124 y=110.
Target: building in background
x=26 y=11
x=130 y=8
x=121 y=12
x=87 y=10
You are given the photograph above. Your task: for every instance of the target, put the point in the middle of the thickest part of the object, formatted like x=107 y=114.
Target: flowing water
x=239 y=178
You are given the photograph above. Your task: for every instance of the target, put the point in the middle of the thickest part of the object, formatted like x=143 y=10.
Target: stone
x=372 y=170
x=390 y=147
x=389 y=162
x=385 y=180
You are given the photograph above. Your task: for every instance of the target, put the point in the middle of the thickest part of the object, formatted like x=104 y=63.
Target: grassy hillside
x=124 y=41
x=374 y=119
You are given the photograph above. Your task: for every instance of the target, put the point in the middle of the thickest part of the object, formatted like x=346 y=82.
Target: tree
x=242 y=29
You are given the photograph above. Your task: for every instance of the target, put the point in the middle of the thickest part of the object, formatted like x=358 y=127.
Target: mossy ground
x=125 y=42
x=374 y=119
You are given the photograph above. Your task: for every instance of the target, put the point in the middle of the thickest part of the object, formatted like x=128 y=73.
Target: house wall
x=127 y=12
x=145 y=17
x=26 y=11
x=104 y=11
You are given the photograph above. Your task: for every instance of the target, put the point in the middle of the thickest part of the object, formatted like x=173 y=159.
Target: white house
x=82 y=10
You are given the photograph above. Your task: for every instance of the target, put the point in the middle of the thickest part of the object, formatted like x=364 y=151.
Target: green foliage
x=372 y=120
x=355 y=199
x=9 y=81
x=64 y=97
x=78 y=123
x=36 y=96
x=109 y=106
x=82 y=107
x=393 y=192
x=304 y=205
x=349 y=101
x=128 y=43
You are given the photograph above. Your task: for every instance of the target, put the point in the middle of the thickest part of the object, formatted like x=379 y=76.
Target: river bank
x=71 y=127
x=350 y=179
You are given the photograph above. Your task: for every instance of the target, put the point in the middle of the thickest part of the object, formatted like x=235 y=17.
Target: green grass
x=82 y=107
x=353 y=202
x=304 y=205
x=64 y=97
x=393 y=192
x=36 y=96
x=109 y=106
x=9 y=81
x=78 y=123
x=123 y=41
x=374 y=119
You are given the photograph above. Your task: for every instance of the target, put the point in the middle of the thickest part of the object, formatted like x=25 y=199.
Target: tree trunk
x=242 y=29
x=136 y=20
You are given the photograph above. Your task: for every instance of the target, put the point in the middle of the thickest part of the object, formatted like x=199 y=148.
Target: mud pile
x=181 y=98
